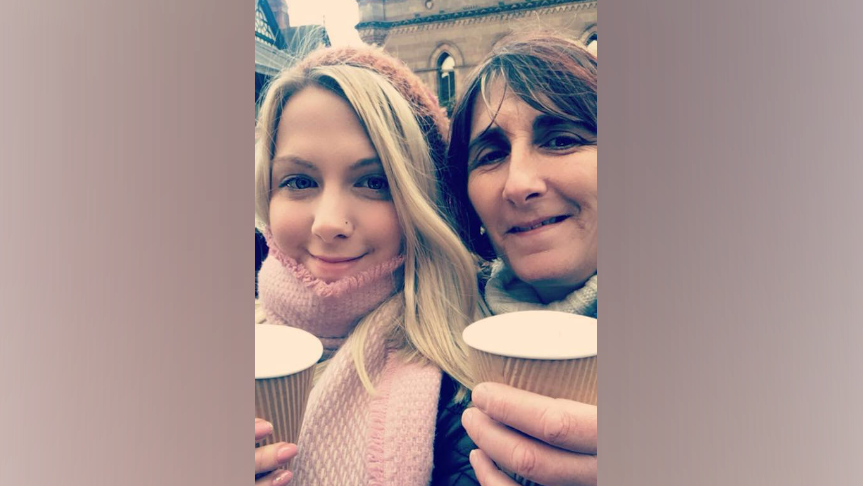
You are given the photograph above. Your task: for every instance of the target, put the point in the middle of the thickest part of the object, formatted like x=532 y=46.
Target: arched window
x=446 y=81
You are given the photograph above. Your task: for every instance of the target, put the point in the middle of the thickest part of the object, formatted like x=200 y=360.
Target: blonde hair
x=440 y=293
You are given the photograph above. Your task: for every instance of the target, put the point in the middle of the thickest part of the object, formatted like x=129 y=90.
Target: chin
x=547 y=270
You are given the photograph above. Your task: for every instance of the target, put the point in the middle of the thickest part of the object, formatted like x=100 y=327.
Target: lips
x=336 y=259
x=532 y=225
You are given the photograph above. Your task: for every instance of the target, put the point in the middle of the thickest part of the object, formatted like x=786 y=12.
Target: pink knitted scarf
x=291 y=295
x=349 y=436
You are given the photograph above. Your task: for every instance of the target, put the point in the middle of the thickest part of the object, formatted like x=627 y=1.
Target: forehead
x=314 y=108
x=498 y=105
x=319 y=126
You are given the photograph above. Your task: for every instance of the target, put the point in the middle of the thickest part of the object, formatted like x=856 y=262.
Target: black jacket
x=452 y=445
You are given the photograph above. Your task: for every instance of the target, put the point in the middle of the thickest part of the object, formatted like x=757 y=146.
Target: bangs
x=554 y=84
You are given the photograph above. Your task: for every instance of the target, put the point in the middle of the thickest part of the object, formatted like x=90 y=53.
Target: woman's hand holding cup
x=269 y=458
x=542 y=439
x=284 y=367
x=535 y=410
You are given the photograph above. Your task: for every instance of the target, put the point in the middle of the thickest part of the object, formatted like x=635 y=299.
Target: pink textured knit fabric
x=403 y=424
x=350 y=437
x=291 y=295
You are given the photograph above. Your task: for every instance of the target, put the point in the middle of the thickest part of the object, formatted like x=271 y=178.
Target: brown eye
x=489 y=157
x=564 y=141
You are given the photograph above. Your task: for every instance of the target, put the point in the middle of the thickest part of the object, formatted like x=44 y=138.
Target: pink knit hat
x=431 y=117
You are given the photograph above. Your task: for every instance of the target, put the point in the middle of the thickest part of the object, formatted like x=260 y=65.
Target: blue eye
x=375 y=183
x=298 y=183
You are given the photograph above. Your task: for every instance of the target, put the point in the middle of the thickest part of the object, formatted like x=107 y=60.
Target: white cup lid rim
x=537 y=334
x=284 y=350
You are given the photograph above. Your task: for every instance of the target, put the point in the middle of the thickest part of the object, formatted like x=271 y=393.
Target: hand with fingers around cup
x=549 y=441
x=270 y=458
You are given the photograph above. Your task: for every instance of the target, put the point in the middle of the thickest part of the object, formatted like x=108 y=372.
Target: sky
x=339 y=16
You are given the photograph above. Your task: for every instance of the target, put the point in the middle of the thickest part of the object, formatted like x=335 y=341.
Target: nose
x=524 y=179
x=333 y=220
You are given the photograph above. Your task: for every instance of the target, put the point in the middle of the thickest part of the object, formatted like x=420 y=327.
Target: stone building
x=277 y=44
x=442 y=40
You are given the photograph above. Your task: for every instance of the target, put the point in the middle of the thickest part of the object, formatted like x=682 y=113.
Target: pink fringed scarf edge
x=377 y=425
x=388 y=463
x=339 y=287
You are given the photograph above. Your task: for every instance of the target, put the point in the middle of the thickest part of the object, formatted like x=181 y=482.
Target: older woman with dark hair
x=522 y=173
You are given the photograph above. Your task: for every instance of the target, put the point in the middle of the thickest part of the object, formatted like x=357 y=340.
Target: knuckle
x=556 y=424
x=523 y=459
x=265 y=459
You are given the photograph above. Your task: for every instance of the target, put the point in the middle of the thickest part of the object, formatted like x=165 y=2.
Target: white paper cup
x=284 y=366
x=545 y=352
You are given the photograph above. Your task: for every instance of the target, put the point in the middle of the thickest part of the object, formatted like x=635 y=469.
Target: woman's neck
x=552 y=293
x=505 y=292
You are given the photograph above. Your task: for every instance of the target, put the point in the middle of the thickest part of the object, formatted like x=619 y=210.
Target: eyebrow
x=365 y=163
x=491 y=134
x=541 y=123
x=545 y=122
x=293 y=159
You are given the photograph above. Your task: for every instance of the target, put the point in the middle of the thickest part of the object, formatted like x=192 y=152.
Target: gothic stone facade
x=424 y=33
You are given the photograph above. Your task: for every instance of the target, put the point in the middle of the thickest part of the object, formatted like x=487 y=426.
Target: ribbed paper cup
x=545 y=352
x=284 y=367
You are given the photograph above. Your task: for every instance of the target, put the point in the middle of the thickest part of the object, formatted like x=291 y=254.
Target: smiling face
x=532 y=181
x=330 y=206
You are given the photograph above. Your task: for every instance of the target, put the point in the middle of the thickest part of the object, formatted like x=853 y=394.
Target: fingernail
x=478 y=396
x=284 y=453
x=472 y=456
x=282 y=479
x=263 y=427
x=467 y=416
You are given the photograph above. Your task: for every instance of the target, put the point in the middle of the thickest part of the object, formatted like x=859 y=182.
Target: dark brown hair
x=552 y=73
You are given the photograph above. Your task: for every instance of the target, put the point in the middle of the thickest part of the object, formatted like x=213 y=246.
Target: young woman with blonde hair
x=349 y=146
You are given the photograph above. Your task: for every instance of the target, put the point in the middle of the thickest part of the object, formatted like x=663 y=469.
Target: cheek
x=576 y=181
x=483 y=190
x=480 y=191
x=290 y=224
x=582 y=182
x=383 y=230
